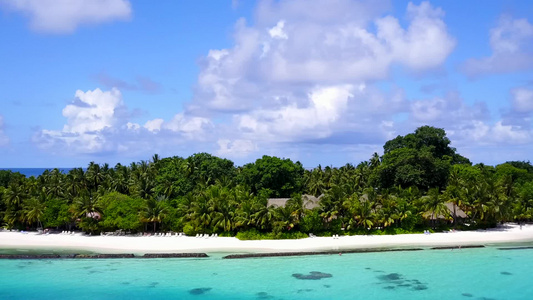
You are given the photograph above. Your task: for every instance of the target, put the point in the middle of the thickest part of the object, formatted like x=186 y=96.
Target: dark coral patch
x=263 y=295
x=390 y=277
x=420 y=287
x=199 y=291
x=314 y=275
x=506 y=273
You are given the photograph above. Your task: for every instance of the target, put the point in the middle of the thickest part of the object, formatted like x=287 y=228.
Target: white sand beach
x=510 y=233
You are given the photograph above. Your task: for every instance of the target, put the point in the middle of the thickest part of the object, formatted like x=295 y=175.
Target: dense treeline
x=404 y=190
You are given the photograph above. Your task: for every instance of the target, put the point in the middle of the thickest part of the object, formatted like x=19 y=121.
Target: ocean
x=28 y=172
x=480 y=273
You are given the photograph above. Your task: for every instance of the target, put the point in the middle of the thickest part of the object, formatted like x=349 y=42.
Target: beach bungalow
x=448 y=214
x=310 y=201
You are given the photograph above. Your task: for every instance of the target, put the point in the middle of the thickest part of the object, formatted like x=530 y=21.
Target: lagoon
x=478 y=273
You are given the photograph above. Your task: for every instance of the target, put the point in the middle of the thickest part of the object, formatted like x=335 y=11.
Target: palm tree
x=315 y=181
x=34 y=209
x=120 y=181
x=283 y=219
x=434 y=203
x=15 y=194
x=453 y=192
x=296 y=205
x=363 y=210
x=201 y=211
x=75 y=184
x=155 y=211
x=86 y=207
x=95 y=176
x=264 y=215
x=388 y=210
x=375 y=161
x=247 y=206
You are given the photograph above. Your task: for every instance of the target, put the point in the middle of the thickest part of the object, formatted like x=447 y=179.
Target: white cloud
x=471 y=126
x=65 y=16
x=236 y=148
x=189 y=126
x=509 y=134
x=98 y=122
x=304 y=72
x=95 y=111
x=89 y=120
x=4 y=140
x=154 y=125
x=425 y=44
x=286 y=123
x=512 y=49
x=277 y=32
x=522 y=100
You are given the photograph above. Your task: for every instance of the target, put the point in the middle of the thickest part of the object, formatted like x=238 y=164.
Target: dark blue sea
x=28 y=172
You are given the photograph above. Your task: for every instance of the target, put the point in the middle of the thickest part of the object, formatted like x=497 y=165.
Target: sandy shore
x=140 y=245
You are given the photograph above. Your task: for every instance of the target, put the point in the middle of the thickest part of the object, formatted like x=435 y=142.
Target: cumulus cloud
x=291 y=50
x=304 y=73
x=65 y=16
x=522 y=100
x=236 y=148
x=511 y=42
x=89 y=119
x=4 y=140
x=99 y=122
x=472 y=125
x=290 y=122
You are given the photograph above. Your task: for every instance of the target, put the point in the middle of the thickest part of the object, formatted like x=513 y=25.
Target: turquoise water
x=486 y=273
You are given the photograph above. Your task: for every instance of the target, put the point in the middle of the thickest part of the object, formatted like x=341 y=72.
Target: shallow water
x=484 y=273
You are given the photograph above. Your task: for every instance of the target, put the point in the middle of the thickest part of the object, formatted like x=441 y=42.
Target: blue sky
x=322 y=82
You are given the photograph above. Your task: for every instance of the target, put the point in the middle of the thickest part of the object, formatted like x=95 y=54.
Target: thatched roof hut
x=459 y=213
x=310 y=201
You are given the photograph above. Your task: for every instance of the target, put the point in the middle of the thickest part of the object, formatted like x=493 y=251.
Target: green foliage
x=7 y=176
x=406 y=190
x=253 y=234
x=281 y=177
x=422 y=159
x=120 y=212
x=56 y=213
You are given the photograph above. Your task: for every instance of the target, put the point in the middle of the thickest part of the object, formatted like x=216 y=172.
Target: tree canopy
x=419 y=182
x=422 y=159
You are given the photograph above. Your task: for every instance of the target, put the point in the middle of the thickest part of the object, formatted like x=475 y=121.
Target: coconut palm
x=296 y=204
x=155 y=211
x=34 y=209
x=75 y=184
x=434 y=203
x=363 y=211
x=264 y=215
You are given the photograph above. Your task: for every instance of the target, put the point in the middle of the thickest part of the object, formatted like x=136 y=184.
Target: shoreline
x=139 y=246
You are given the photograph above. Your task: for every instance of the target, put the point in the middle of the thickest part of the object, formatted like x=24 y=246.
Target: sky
x=318 y=81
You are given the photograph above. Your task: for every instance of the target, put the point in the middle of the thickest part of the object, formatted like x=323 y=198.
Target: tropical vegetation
x=407 y=189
